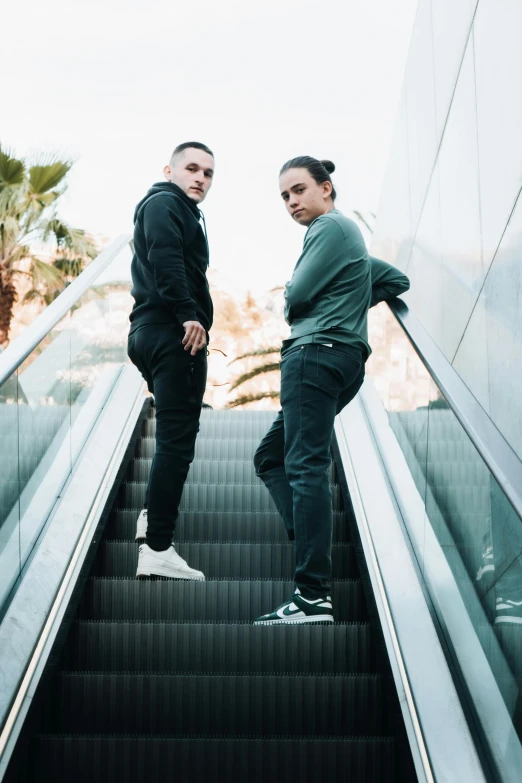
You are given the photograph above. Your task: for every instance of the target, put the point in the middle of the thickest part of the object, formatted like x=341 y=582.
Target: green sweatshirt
x=334 y=284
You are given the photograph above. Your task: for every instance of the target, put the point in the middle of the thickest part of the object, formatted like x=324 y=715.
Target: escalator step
x=210 y=427
x=207 y=471
x=227 y=414
x=216 y=704
x=219 y=648
x=214 y=760
x=168 y=600
x=208 y=448
x=224 y=560
x=214 y=648
x=220 y=525
x=214 y=497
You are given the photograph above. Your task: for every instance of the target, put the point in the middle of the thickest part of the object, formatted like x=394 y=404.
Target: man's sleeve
x=387 y=281
x=321 y=260
x=163 y=229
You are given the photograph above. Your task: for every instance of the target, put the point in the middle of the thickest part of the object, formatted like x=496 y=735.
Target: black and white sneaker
x=299 y=610
x=508 y=611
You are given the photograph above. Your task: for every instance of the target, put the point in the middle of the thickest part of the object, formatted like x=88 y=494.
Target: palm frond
x=73 y=240
x=268 y=395
x=69 y=267
x=12 y=170
x=254 y=373
x=46 y=275
x=260 y=352
x=47 y=174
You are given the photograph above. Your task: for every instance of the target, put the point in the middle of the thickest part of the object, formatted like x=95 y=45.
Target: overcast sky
x=116 y=85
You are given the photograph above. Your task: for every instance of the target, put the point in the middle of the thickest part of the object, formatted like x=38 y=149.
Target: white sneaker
x=166 y=563
x=141 y=527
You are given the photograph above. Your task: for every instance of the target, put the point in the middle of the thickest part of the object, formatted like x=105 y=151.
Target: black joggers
x=177 y=380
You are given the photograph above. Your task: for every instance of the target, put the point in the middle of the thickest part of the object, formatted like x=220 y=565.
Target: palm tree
x=262 y=369
x=29 y=193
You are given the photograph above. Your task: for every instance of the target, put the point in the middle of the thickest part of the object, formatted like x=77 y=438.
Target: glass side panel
x=44 y=445
x=49 y=407
x=98 y=332
x=10 y=563
x=469 y=542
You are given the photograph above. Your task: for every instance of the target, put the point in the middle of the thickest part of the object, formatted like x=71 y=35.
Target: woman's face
x=305 y=198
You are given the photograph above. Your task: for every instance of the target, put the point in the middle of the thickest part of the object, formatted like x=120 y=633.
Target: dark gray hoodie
x=170 y=261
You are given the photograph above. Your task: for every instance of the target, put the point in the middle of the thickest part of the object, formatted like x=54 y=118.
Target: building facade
x=450 y=213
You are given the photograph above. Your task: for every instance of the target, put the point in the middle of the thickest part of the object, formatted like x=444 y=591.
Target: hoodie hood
x=173 y=190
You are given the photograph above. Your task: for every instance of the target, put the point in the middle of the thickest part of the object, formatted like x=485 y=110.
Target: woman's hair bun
x=329 y=166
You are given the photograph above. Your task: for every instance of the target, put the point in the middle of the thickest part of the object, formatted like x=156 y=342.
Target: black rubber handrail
x=32 y=335
x=500 y=458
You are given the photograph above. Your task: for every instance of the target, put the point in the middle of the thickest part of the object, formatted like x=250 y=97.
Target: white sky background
x=117 y=84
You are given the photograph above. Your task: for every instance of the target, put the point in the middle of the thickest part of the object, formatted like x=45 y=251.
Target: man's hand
x=195 y=337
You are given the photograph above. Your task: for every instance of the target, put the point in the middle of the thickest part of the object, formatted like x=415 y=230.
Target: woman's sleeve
x=387 y=281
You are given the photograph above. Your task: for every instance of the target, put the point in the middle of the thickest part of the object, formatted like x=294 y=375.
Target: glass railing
x=50 y=402
x=467 y=539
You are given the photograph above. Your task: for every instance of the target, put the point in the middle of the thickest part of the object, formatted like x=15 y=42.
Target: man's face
x=192 y=171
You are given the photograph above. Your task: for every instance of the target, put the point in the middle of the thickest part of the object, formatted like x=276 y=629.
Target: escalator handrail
x=498 y=455
x=32 y=335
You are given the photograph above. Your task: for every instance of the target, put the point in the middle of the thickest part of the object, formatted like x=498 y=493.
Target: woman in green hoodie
x=334 y=284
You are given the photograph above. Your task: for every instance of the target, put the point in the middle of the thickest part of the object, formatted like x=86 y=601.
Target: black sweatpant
x=177 y=380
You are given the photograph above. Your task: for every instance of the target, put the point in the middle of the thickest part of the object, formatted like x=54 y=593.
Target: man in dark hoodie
x=169 y=330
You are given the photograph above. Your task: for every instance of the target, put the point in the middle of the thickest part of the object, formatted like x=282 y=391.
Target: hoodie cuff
x=187 y=315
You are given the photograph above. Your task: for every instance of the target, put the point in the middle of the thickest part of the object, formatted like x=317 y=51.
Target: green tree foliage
x=262 y=369
x=29 y=195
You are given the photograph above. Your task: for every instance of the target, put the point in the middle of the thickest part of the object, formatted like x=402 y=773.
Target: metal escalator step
x=227 y=414
x=216 y=704
x=213 y=497
x=206 y=471
x=209 y=448
x=234 y=428
x=226 y=601
x=215 y=648
x=220 y=526
x=84 y=759
x=224 y=560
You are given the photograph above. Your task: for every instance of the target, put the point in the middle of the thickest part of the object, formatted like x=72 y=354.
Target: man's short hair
x=191 y=144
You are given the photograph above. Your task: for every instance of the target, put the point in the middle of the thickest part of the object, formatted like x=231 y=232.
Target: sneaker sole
x=143 y=573
x=320 y=618
x=510 y=620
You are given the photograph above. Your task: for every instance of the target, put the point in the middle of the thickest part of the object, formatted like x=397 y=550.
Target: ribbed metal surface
x=169 y=680
x=209 y=448
x=207 y=471
x=225 y=601
x=214 y=497
x=232 y=428
x=217 y=560
x=215 y=760
x=217 y=648
x=229 y=704
x=219 y=526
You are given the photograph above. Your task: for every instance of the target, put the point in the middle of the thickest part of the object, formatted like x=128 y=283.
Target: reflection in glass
x=467 y=516
x=9 y=485
x=49 y=407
